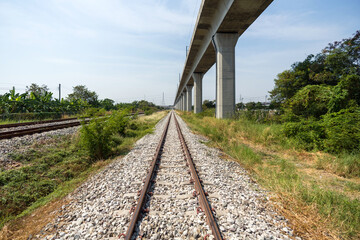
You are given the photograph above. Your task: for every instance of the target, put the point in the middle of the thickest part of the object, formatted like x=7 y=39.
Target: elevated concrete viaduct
x=219 y=25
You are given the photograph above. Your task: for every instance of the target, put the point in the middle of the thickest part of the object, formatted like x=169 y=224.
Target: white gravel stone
x=102 y=204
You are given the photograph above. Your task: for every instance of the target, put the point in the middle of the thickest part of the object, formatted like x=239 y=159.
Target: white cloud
x=292 y=27
x=141 y=16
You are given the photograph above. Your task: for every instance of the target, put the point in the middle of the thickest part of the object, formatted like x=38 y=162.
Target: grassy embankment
x=52 y=169
x=319 y=192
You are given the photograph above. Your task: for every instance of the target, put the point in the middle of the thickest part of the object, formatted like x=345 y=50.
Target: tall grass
x=252 y=145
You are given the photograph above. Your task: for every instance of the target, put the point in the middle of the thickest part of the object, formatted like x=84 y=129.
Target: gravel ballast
x=100 y=207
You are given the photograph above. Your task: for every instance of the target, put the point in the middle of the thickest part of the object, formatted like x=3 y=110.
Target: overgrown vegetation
x=52 y=168
x=294 y=175
x=320 y=98
x=101 y=134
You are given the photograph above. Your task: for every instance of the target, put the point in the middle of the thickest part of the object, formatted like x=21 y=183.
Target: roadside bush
x=342 y=131
x=97 y=137
x=308 y=133
x=335 y=132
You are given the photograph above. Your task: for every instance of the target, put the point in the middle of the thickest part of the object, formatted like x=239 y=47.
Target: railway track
x=40 y=129
x=7 y=134
x=158 y=171
x=12 y=125
x=107 y=206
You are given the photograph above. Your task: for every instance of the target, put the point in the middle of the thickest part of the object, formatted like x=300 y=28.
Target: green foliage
x=334 y=132
x=256 y=115
x=35 y=101
x=254 y=106
x=335 y=63
x=81 y=93
x=208 y=112
x=208 y=104
x=139 y=106
x=320 y=98
x=240 y=106
x=93 y=112
x=97 y=136
x=36 y=89
x=307 y=133
x=310 y=101
x=342 y=131
x=107 y=104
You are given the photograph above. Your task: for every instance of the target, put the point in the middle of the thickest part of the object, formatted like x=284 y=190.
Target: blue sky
x=131 y=50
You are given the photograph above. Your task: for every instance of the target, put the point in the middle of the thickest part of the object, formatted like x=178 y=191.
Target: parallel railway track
x=33 y=130
x=39 y=129
x=145 y=194
x=11 y=125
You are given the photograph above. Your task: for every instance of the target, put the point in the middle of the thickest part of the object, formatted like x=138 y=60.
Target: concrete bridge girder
x=218 y=27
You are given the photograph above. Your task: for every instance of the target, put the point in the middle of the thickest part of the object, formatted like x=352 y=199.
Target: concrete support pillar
x=189 y=98
x=197 y=91
x=184 y=100
x=224 y=44
x=181 y=102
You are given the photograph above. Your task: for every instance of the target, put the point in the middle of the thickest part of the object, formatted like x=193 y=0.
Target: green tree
x=240 y=105
x=81 y=92
x=335 y=62
x=38 y=90
x=310 y=101
x=250 y=106
x=107 y=104
x=208 y=104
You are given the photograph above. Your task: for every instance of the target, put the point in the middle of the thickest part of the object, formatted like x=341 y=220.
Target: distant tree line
x=208 y=104
x=38 y=99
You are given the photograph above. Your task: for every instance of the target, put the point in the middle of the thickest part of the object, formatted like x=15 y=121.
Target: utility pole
x=163 y=100
x=59 y=92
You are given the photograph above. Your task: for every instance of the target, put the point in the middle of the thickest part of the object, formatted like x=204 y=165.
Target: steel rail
x=198 y=187
x=28 y=131
x=10 y=125
x=144 y=191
